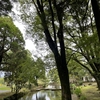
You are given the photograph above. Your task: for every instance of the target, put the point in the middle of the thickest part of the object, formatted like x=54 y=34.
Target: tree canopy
x=71 y=30
x=61 y=23
x=10 y=37
x=5 y=7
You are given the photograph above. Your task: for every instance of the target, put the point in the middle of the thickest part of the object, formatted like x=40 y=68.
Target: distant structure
x=88 y=79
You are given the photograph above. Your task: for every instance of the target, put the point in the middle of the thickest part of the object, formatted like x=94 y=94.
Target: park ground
x=91 y=91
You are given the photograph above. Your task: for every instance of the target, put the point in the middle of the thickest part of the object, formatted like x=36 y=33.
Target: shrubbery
x=82 y=97
x=78 y=92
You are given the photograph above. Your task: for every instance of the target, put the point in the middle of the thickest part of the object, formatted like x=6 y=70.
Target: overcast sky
x=28 y=43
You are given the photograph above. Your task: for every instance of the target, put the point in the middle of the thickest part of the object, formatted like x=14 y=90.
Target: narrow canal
x=43 y=95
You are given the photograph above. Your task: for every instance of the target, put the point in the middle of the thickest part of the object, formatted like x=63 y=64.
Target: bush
x=83 y=97
x=1 y=81
x=78 y=92
x=81 y=83
x=73 y=87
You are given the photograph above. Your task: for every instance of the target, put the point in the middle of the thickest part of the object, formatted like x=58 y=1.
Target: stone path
x=4 y=91
x=74 y=97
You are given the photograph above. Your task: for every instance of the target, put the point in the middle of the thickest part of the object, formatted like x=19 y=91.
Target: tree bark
x=64 y=79
x=97 y=79
x=1 y=56
x=96 y=11
x=98 y=83
x=61 y=67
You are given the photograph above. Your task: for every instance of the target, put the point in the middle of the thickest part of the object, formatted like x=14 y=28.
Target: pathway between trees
x=4 y=91
x=74 y=97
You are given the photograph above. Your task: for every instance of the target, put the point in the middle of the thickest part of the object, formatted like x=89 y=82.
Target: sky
x=33 y=48
x=28 y=43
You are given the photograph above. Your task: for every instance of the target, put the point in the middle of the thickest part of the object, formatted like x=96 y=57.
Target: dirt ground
x=74 y=97
x=4 y=94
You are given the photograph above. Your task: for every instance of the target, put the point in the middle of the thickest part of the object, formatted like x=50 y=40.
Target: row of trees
x=71 y=28
x=17 y=63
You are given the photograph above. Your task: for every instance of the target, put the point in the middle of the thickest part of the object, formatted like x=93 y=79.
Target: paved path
x=74 y=97
x=4 y=91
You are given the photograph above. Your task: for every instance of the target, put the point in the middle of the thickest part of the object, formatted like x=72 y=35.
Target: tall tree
x=56 y=8
x=96 y=10
x=83 y=37
x=14 y=68
x=50 y=19
x=10 y=37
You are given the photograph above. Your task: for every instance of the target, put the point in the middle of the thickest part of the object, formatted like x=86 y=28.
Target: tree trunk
x=0 y=59
x=97 y=81
x=60 y=56
x=64 y=80
x=96 y=11
x=61 y=65
x=16 y=92
x=63 y=73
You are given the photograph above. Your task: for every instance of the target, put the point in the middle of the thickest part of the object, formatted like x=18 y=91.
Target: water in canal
x=43 y=95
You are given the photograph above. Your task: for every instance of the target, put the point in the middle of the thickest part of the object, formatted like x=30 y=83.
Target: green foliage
x=77 y=91
x=7 y=26
x=4 y=87
x=80 y=83
x=1 y=80
x=53 y=76
x=76 y=72
x=73 y=87
x=11 y=39
x=83 y=98
x=33 y=70
x=12 y=72
x=5 y=7
x=23 y=71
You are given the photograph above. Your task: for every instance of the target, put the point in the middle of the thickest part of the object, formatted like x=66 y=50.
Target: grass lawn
x=3 y=91
x=91 y=92
x=1 y=80
x=4 y=87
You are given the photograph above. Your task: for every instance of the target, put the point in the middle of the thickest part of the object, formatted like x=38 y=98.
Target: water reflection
x=43 y=95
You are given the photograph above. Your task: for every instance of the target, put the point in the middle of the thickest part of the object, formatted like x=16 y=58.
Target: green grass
x=1 y=80
x=4 y=87
x=91 y=92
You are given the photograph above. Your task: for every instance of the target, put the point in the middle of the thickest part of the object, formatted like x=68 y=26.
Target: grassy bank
x=4 y=95
x=4 y=87
x=4 y=90
x=91 y=92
